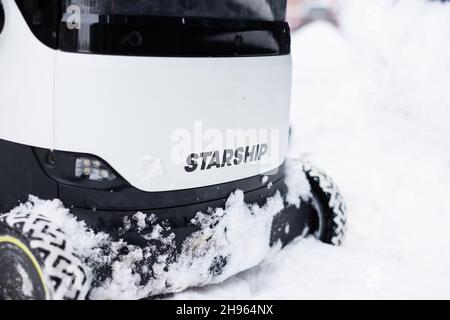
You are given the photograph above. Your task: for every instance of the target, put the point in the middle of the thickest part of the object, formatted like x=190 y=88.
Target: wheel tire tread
x=335 y=209
x=64 y=273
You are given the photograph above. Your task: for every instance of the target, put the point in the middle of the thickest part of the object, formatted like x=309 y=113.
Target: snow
x=371 y=105
x=219 y=239
x=265 y=179
x=27 y=284
x=141 y=220
x=297 y=184
x=151 y=167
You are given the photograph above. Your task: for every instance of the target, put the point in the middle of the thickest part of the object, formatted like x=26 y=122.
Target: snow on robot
x=93 y=94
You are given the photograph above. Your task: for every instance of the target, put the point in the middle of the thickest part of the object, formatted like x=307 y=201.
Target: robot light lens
x=93 y=169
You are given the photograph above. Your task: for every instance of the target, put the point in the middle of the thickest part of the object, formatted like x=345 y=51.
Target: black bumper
x=178 y=220
x=107 y=210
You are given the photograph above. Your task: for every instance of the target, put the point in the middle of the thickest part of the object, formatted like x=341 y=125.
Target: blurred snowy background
x=371 y=105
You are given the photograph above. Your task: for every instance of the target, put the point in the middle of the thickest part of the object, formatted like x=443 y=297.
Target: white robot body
x=144 y=116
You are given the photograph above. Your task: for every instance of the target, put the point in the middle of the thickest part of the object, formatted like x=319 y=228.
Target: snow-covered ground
x=371 y=105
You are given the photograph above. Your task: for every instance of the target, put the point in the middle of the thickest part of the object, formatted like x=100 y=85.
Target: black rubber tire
x=329 y=224
x=20 y=271
x=44 y=253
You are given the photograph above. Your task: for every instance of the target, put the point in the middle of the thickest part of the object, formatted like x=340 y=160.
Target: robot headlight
x=79 y=170
x=93 y=169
